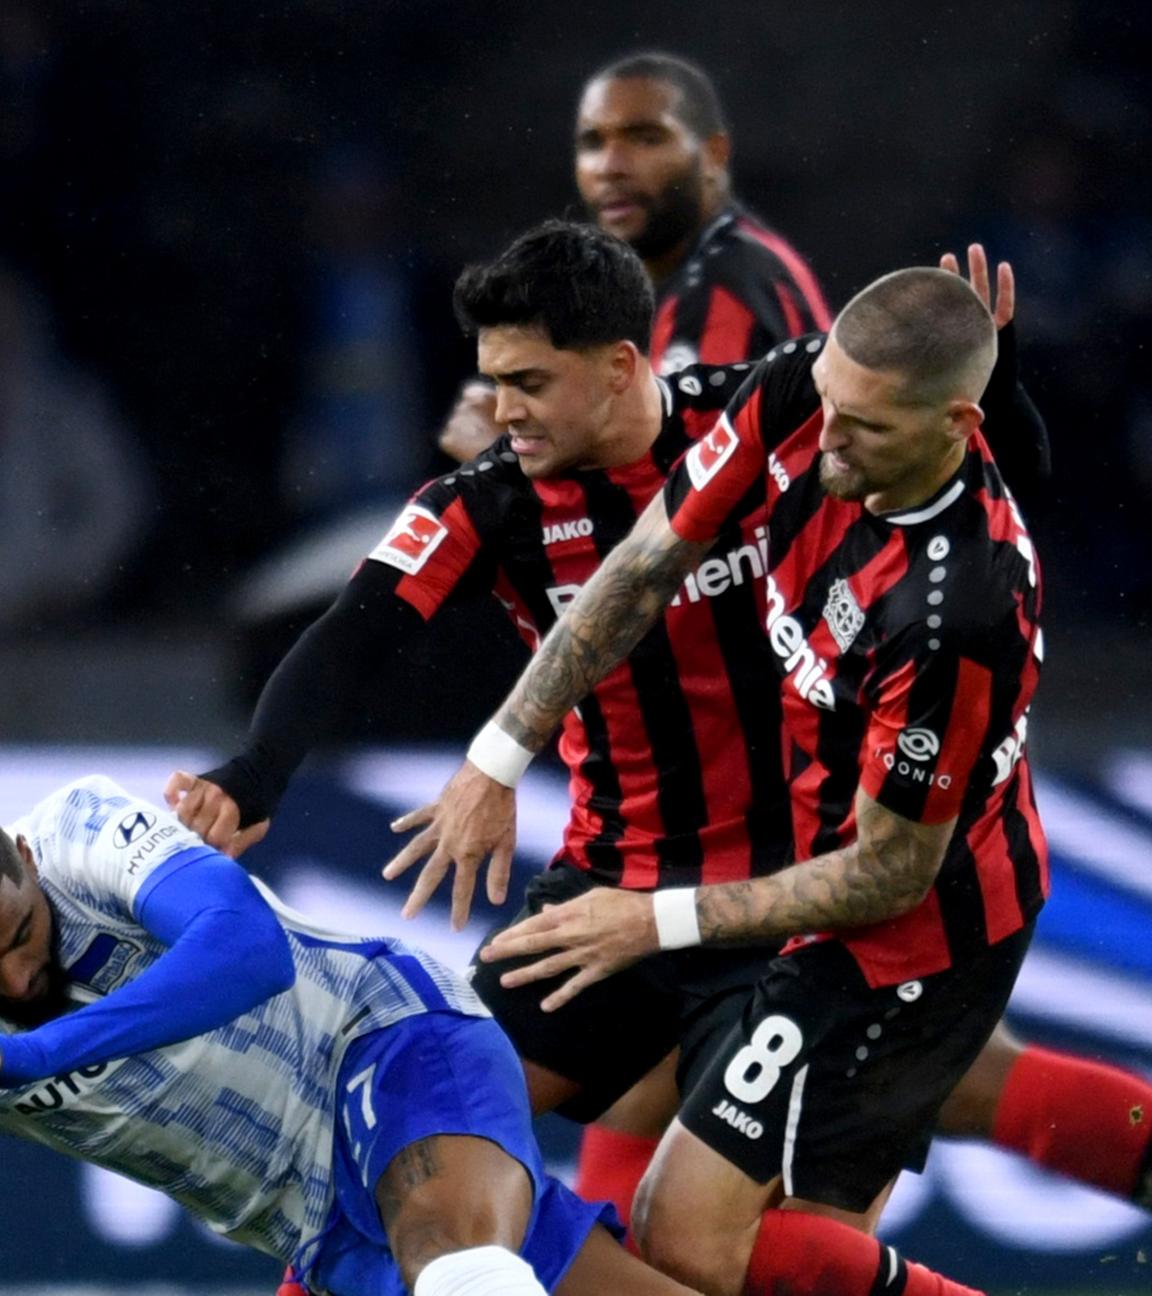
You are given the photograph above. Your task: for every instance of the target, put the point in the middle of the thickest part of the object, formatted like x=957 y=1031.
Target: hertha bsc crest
x=843 y=614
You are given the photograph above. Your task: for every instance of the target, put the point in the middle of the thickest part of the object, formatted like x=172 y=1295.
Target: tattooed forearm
x=601 y=627
x=886 y=872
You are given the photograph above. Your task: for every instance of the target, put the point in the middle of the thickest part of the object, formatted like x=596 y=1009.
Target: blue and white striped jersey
x=237 y=1123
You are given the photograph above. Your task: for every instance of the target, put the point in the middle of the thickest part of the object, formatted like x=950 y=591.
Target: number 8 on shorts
x=753 y=1072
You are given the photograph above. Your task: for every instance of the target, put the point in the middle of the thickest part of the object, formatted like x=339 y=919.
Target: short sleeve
x=102 y=842
x=927 y=726
x=707 y=486
x=710 y=484
x=433 y=544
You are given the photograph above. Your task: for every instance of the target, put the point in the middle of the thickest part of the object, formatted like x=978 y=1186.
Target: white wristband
x=675 y=912
x=499 y=755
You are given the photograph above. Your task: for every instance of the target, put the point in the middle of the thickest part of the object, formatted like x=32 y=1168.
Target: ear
x=25 y=852
x=964 y=418
x=717 y=155
x=625 y=361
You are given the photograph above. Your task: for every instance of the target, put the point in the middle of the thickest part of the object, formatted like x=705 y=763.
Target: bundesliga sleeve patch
x=411 y=540
x=708 y=456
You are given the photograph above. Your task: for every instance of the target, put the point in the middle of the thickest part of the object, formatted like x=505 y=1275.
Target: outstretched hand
x=1004 y=307
x=473 y=818
x=207 y=809
x=596 y=934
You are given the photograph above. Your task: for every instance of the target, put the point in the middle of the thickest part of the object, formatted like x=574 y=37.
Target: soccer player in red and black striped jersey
x=652 y=155
x=901 y=617
x=652 y=160
x=652 y=165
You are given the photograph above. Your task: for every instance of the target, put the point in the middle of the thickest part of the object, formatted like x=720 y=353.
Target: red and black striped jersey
x=741 y=290
x=907 y=648
x=674 y=760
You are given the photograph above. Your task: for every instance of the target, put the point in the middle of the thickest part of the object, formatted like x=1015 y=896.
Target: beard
x=675 y=215
x=850 y=485
x=27 y=1014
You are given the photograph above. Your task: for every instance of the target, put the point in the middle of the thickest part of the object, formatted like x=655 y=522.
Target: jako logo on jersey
x=131 y=828
x=1008 y=754
x=918 y=744
x=910 y=991
x=714 y=575
x=778 y=473
x=557 y=531
x=843 y=614
x=411 y=541
x=786 y=636
x=740 y=1121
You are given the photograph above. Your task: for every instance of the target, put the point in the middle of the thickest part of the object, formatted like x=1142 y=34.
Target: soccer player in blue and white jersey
x=344 y=1104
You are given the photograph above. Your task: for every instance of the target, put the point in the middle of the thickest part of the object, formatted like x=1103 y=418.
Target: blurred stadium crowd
x=228 y=235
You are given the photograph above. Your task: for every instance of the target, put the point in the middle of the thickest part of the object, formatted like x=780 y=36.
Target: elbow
x=281 y=965
x=911 y=897
x=910 y=890
x=267 y=965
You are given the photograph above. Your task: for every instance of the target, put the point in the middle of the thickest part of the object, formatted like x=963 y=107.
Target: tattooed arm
x=613 y=612
x=475 y=816
x=886 y=872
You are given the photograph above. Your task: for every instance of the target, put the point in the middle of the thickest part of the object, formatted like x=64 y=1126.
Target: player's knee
x=670 y=1237
x=450 y=1194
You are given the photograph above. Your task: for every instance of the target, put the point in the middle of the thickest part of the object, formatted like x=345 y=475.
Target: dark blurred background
x=228 y=234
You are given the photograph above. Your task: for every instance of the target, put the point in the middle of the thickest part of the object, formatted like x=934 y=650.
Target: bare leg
x=449 y=1193
x=604 y=1268
x=547 y=1089
x=708 y=1224
x=970 y=1109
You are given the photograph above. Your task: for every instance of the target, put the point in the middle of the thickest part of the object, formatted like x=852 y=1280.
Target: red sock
x=808 y=1255
x=611 y=1166
x=1084 y=1120
x=289 y=1286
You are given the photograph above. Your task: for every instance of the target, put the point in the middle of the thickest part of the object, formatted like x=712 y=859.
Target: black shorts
x=836 y=1086
x=617 y=1030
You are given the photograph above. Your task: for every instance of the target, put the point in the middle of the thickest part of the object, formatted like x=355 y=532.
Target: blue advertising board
x=984 y=1216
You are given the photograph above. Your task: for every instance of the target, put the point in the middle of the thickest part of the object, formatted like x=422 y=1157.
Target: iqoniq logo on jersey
x=915 y=747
